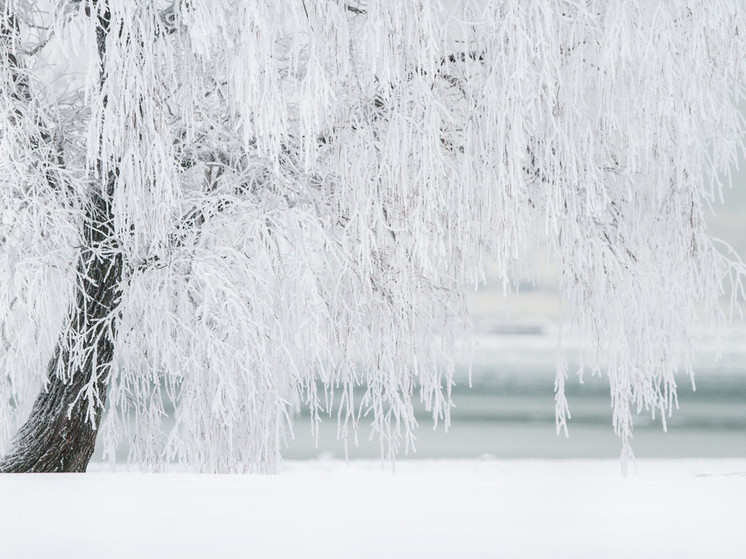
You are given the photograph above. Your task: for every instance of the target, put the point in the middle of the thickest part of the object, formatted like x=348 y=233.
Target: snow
x=449 y=508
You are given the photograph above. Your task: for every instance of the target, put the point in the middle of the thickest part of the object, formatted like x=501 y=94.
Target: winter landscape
x=372 y=278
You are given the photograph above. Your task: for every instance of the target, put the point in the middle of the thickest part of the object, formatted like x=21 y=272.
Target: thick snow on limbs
x=246 y=207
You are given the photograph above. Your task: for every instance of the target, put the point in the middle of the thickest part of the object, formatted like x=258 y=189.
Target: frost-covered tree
x=247 y=206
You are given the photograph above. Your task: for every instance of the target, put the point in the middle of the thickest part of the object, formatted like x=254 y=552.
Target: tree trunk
x=60 y=434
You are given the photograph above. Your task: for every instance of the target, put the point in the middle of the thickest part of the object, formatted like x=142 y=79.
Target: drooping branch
x=41 y=137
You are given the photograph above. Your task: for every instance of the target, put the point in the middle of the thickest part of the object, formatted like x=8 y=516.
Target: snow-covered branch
x=301 y=194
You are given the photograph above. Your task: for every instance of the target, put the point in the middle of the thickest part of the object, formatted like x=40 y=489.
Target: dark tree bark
x=60 y=434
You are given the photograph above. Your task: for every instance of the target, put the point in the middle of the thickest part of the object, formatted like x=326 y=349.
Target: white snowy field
x=490 y=508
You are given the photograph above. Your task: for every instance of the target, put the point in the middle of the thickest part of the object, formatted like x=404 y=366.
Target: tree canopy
x=288 y=201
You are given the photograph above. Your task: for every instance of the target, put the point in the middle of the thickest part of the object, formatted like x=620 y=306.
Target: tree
x=249 y=206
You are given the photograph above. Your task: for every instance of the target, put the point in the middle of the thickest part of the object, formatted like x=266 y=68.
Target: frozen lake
x=509 y=410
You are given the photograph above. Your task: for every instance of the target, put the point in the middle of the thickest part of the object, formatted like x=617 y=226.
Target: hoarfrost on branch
x=304 y=191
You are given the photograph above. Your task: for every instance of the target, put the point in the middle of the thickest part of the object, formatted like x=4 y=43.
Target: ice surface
x=489 y=508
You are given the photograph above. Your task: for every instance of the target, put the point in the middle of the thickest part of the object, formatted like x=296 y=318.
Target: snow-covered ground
x=428 y=509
